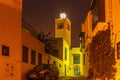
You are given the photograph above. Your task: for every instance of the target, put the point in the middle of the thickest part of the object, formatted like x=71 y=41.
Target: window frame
x=5 y=50
x=60 y=25
x=65 y=53
x=39 y=58
x=76 y=58
x=118 y=50
x=25 y=54
x=33 y=57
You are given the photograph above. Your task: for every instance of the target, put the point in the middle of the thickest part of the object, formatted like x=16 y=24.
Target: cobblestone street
x=72 y=78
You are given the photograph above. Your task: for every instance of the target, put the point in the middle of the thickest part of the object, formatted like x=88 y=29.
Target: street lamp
x=63 y=15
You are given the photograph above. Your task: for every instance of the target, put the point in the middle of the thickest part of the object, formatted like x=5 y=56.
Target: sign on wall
x=10 y=69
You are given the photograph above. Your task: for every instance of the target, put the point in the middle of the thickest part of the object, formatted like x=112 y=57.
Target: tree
x=49 y=42
x=102 y=57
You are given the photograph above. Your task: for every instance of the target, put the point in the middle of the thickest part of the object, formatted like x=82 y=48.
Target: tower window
x=68 y=27
x=60 y=26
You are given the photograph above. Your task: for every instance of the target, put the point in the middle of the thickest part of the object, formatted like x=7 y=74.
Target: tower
x=63 y=28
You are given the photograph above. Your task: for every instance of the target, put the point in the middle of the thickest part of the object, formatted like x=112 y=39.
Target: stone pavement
x=72 y=78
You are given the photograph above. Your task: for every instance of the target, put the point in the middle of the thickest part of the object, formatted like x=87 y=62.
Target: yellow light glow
x=62 y=15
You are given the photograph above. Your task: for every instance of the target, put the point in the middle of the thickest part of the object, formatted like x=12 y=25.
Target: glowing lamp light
x=62 y=15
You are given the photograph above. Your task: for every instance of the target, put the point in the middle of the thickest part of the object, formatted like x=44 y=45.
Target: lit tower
x=63 y=28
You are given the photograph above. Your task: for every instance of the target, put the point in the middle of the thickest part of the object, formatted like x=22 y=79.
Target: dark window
x=68 y=27
x=60 y=26
x=65 y=69
x=39 y=58
x=48 y=61
x=54 y=62
x=101 y=10
x=65 y=53
x=118 y=50
x=55 y=52
x=59 y=65
x=98 y=12
x=94 y=14
x=25 y=54
x=76 y=58
x=84 y=59
x=82 y=39
x=5 y=50
x=33 y=57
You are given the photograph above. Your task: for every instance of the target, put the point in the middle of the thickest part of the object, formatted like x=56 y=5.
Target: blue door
x=77 y=70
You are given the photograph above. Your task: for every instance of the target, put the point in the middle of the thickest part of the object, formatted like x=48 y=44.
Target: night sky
x=41 y=14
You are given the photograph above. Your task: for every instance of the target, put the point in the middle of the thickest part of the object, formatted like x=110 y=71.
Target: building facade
x=21 y=50
x=33 y=53
x=76 y=62
x=72 y=57
x=101 y=25
x=10 y=40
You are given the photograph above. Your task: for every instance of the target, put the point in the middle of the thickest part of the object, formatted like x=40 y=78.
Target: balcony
x=99 y=27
